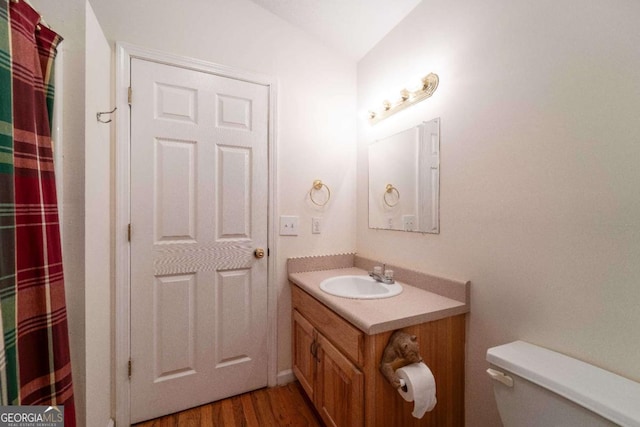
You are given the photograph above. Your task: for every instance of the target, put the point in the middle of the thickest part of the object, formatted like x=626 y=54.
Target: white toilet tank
x=536 y=387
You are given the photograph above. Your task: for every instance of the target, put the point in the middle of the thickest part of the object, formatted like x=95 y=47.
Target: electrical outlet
x=288 y=225
x=316 y=225
x=409 y=222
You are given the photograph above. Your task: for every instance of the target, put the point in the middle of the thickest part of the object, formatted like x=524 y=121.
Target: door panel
x=198 y=211
x=234 y=182
x=175 y=190
x=174 y=316
x=234 y=112
x=234 y=316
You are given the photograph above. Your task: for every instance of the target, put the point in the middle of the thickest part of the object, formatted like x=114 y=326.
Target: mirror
x=404 y=180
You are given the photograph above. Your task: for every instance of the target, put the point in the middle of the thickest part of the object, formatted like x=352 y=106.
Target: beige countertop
x=372 y=316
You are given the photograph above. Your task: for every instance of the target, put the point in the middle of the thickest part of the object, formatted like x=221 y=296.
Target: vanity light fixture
x=407 y=98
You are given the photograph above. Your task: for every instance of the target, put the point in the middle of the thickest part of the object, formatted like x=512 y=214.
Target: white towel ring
x=389 y=190
x=317 y=186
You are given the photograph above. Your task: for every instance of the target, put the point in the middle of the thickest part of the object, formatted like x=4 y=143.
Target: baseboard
x=286 y=377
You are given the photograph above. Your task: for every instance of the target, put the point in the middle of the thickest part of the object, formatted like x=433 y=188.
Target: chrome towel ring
x=316 y=187
x=388 y=192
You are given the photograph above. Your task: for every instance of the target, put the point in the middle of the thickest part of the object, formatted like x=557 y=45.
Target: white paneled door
x=199 y=180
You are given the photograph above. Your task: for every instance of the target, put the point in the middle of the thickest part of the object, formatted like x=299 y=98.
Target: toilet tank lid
x=611 y=396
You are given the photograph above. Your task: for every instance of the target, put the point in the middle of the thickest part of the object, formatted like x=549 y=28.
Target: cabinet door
x=304 y=346
x=340 y=388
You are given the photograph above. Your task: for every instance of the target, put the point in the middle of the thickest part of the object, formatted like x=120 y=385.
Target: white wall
x=540 y=202
x=98 y=230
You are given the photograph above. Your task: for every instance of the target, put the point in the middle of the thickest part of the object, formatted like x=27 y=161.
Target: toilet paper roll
x=421 y=387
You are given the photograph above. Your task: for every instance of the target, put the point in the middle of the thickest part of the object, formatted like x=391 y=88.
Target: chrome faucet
x=381 y=274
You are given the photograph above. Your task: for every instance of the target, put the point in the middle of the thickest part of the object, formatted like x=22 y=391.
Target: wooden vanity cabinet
x=339 y=387
x=304 y=354
x=337 y=366
x=332 y=380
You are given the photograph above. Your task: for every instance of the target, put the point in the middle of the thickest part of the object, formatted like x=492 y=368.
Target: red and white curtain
x=35 y=365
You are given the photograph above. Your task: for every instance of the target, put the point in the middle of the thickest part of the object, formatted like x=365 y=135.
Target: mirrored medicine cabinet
x=404 y=180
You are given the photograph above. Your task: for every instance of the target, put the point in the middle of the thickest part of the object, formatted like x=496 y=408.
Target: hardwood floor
x=279 y=406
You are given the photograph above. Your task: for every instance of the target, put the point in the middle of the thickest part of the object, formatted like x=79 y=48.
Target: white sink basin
x=360 y=287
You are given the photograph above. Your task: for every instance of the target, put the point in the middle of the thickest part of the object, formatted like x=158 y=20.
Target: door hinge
x=129 y=232
x=268 y=252
x=129 y=368
x=129 y=95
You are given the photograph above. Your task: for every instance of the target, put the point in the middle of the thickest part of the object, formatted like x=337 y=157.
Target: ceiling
x=350 y=26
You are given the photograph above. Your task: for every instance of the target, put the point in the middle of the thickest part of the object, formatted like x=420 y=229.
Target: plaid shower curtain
x=35 y=366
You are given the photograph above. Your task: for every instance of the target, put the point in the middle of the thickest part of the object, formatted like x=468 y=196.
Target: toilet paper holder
x=402 y=349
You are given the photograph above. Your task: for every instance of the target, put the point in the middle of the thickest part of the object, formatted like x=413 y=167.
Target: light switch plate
x=288 y=225
x=316 y=225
